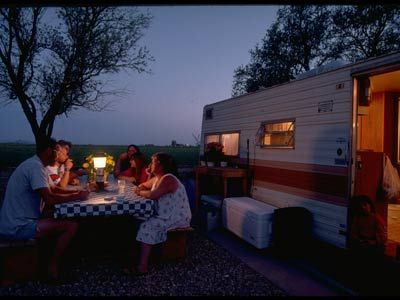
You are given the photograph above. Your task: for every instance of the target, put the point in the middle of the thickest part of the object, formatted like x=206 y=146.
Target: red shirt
x=368 y=227
x=131 y=173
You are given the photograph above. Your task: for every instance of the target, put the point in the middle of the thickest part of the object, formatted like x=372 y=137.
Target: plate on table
x=110 y=199
x=116 y=198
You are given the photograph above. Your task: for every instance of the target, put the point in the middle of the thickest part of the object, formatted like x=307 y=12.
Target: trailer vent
x=325 y=106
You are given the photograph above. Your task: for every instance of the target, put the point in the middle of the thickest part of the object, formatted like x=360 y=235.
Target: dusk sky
x=196 y=49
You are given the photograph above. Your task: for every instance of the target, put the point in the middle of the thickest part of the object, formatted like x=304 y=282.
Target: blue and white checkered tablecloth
x=97 y=205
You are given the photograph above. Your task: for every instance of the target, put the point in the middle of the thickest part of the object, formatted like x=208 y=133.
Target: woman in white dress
x=173 y=209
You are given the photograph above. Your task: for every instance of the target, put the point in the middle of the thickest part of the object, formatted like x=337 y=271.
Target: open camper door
x=376 y=133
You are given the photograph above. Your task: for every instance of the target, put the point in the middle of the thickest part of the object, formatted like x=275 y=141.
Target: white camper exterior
x=318 y=170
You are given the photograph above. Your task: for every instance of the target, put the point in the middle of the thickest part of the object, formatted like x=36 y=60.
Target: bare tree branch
x=55 y=69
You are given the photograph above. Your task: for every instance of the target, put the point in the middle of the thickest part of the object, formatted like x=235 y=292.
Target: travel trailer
x=317 y=140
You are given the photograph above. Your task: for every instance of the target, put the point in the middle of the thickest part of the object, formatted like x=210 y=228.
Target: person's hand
x=147 y=170
x=136 y=190
x=68 y=164
x=75 y=181
x=139 y=188
x=366 y=243
x=144 y=193
x=92 y=186
x=84 y=194
x=370 y=243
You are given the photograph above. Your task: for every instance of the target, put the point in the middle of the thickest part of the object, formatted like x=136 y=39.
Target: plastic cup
x=121 y=186
x=83 y=180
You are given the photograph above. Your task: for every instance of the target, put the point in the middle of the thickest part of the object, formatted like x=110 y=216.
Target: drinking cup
x=84 y=181
x=121 y=186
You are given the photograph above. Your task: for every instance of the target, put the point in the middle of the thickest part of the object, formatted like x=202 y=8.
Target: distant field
x=11 y=155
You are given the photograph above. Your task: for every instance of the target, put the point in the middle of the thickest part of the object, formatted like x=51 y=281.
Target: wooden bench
x=18 y=260
x=174 y=247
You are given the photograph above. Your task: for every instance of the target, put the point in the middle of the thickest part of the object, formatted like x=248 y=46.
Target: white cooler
x=249 y=219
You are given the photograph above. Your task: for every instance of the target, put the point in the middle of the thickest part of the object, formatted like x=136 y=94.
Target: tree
x=366 y=31
x=270 y=64
x=54 y=69
x=308 y=34
x=197 y=139
x=298 y=40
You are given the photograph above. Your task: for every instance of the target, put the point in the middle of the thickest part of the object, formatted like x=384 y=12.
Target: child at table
x=123 y=161
x=137 y=173
x=368 y=232
x=367 y=240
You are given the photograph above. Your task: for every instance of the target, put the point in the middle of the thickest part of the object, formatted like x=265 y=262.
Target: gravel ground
x=207 y=270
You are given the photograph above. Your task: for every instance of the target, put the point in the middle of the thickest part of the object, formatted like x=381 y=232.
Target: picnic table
x=108 y=202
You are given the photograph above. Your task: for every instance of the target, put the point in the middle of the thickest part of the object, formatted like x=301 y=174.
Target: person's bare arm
x=117 y=169
x=67 y=169
x=167 y=185
x=147 y=185
x=381 y=231
x=127 y=178
x=60 y=190
x=52 y=198
x=353 y=232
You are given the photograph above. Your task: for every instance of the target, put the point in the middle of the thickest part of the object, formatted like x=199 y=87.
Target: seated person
x=173 y=210
x=368 y=232
x=60 y=172
x=123 y=161
x=137 y=173
x=27 y=189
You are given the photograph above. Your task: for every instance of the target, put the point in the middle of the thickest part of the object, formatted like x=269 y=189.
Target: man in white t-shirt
x=27 y=190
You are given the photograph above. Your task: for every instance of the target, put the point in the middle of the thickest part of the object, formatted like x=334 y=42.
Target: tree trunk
x=39 y=137
x=42 y=133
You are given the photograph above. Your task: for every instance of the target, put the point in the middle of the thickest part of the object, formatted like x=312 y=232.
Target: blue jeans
x=27 y=231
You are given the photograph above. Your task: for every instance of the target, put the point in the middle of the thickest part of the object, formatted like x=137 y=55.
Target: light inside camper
x=364 y=91
x=279 y=134
x=230 y=141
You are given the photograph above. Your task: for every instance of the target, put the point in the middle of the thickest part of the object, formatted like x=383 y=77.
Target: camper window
x=278 y=134
x=230 y=141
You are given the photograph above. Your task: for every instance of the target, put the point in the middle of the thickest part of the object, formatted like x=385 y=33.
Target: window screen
x=230 y=141
x=279 y=134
